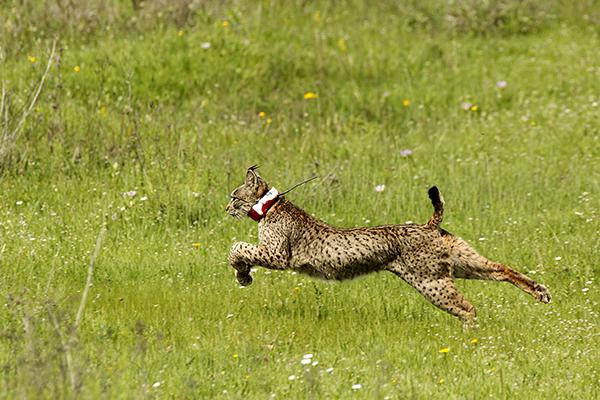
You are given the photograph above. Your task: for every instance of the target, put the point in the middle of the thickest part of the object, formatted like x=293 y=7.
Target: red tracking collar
x=258 y=211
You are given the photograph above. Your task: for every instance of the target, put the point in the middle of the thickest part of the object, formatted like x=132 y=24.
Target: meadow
x=124 y=126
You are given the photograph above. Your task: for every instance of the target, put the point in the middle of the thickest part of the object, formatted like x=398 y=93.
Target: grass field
x=148 y=114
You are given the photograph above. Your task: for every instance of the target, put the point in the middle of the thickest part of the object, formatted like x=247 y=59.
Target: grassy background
x=163 y=99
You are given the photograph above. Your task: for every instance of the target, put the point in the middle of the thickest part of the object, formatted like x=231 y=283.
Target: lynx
x=426 y=256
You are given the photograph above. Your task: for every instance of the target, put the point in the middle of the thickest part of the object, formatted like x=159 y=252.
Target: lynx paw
x=542 y=294
x=243 y=278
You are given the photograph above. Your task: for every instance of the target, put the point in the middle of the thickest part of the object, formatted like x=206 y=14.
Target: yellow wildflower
x=180 y=33
x=196 y=245
x=76 y=68
x=406 y=102
x=31 y=59
x=269 y=120
x=474 y=107
x=445 y=350
x=235 y=356
x=225 y=24
x=474 y=341
x=262 y=114
x=310 y=95
x=442 y=381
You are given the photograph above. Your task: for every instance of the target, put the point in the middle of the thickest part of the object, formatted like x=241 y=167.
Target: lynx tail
x=438 y=207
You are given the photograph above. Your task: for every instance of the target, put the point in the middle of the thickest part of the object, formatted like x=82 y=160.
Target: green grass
x=166 y=103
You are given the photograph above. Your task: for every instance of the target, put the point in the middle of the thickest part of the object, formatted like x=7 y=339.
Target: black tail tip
x=434 y=194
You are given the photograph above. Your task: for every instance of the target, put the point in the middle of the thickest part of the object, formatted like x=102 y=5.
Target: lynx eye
x=238 y=199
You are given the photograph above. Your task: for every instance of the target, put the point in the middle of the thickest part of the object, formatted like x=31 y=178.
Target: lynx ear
x=251 y=176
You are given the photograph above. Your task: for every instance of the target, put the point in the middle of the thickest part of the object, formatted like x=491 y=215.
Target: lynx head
x=244 y=197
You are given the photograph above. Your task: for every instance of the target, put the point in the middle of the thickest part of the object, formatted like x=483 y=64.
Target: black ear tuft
x=251 y=175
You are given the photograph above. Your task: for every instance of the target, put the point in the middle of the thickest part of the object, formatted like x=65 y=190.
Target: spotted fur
x=425 y=256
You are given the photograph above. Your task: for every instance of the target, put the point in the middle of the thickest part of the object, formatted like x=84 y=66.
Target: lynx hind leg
x=439 y=290
x=444 y=294
x=468 y=264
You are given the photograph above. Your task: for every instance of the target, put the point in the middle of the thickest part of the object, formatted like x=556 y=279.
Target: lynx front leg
x=239 y=260
x=244 y=255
